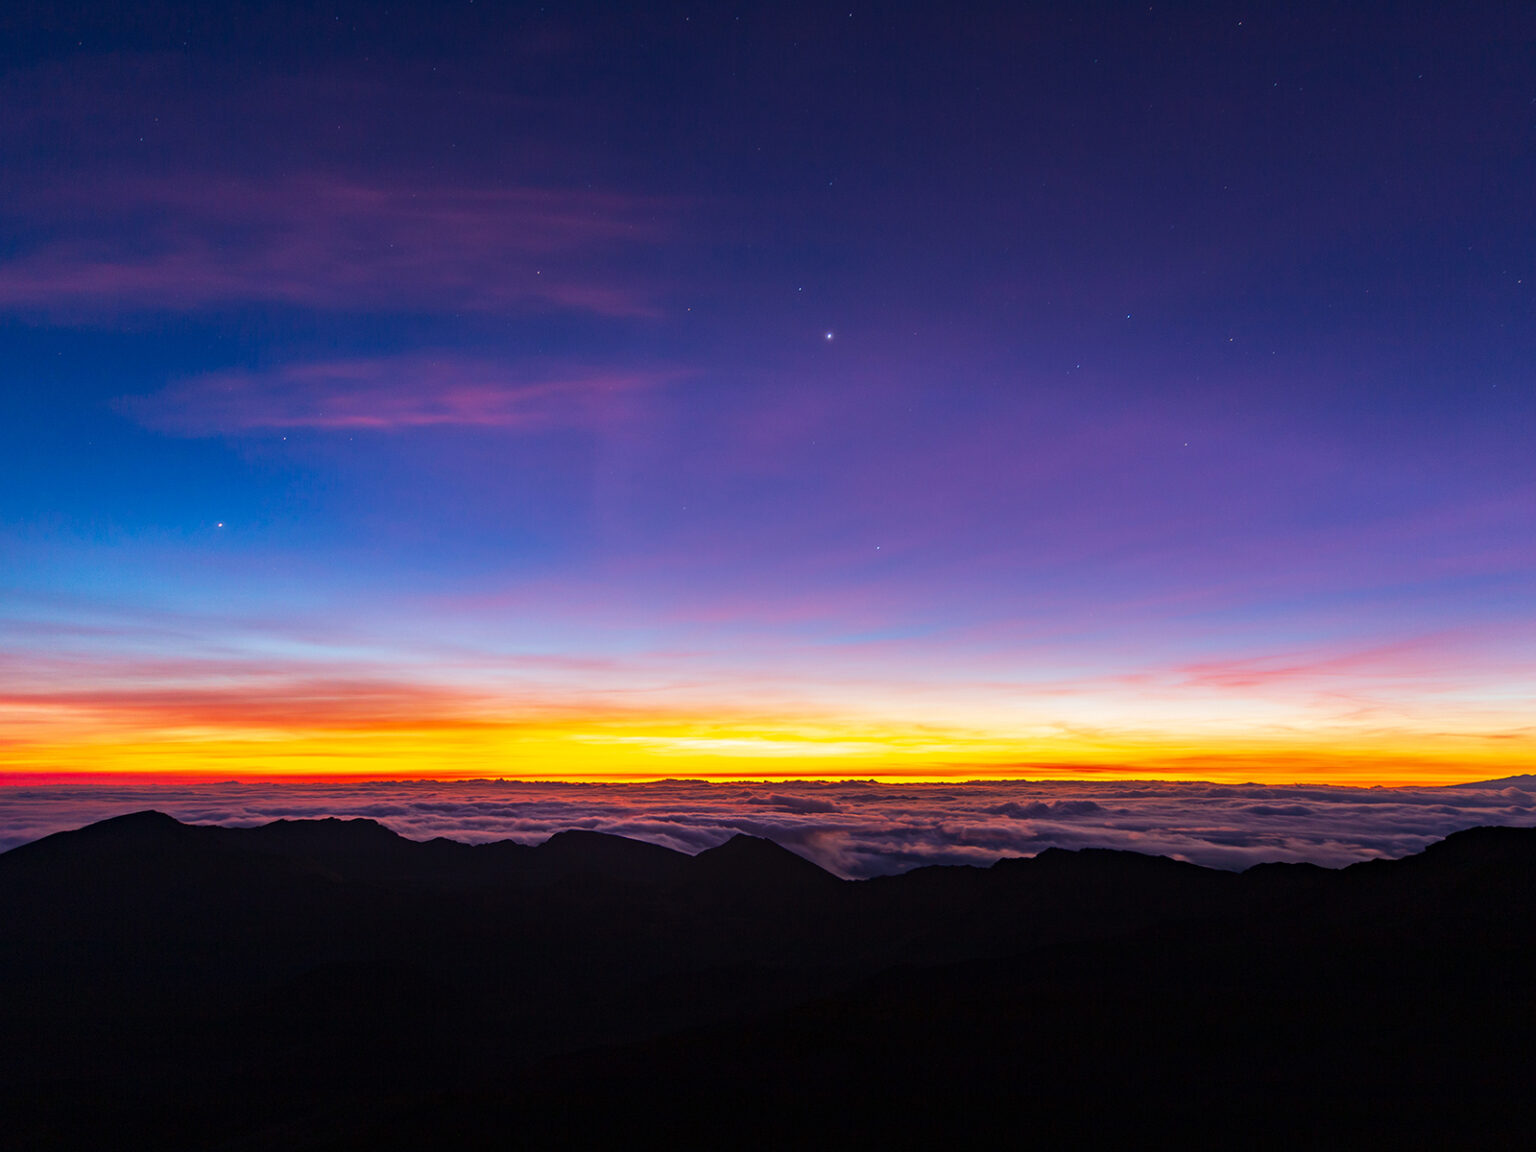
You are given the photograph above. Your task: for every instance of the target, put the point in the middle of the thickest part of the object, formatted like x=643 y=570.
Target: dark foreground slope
x=329 y=985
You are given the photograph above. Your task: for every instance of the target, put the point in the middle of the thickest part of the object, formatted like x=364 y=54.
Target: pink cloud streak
x=384 y=394
x=322 y=242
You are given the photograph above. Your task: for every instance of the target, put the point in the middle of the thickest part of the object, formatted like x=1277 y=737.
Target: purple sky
x=492 y=389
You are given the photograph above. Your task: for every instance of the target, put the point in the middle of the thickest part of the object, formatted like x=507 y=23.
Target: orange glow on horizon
x=1409 y=721
x=629 y=749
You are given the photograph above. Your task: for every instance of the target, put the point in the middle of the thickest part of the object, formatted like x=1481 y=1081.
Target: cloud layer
x=855 y=829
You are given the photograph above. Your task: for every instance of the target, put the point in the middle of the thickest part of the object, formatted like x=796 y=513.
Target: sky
x=893 y=392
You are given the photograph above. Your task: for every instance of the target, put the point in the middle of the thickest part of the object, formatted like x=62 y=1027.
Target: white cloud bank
x=854 y=829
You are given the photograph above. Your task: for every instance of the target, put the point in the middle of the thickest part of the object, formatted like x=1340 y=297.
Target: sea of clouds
x=856 y=829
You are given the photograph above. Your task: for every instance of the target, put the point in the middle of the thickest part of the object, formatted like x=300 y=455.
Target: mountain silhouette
x=751 y=861
x=578 y=851
x=1526 y=782
x=328 y=984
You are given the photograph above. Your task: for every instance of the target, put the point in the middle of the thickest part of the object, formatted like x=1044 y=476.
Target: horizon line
x=109 y=777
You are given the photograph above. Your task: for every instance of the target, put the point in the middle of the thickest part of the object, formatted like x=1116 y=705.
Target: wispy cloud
x=387 y=393
x=320 y=241
x=287 y=705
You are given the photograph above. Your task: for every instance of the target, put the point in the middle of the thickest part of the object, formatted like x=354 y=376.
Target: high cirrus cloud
x=387 y=393
x=319 y=241
x=853 y=828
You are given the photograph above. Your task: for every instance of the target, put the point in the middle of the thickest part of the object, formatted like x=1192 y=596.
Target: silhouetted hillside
x=328 y=984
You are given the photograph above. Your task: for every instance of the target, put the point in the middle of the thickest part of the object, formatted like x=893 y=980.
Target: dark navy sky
x=730 y=387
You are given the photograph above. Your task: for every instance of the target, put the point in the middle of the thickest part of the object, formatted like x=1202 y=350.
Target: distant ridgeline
x=328 y=984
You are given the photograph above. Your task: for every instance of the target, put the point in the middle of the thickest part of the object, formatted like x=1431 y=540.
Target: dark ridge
x=1115 y=875
x=602 y=853
x=363 y=851
x=1488 y=844
x=1105 y=862
x=131 y=826
x=1286 y=867
x=143 y=831
x=503 y=849
x=328 y=985
x=348 y=844
x=1284 y=878
x=146 y=821
x=1525 y=783
x=756 y=860
x=329 y=834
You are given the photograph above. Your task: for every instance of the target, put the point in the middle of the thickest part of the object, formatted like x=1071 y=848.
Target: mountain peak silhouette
x=148 y=822
x=1526 y=782
x=1107 y=864
x=133 y=830
x=328 y=833
x=755 y=859
x=1488 y=844
x=585 y=850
